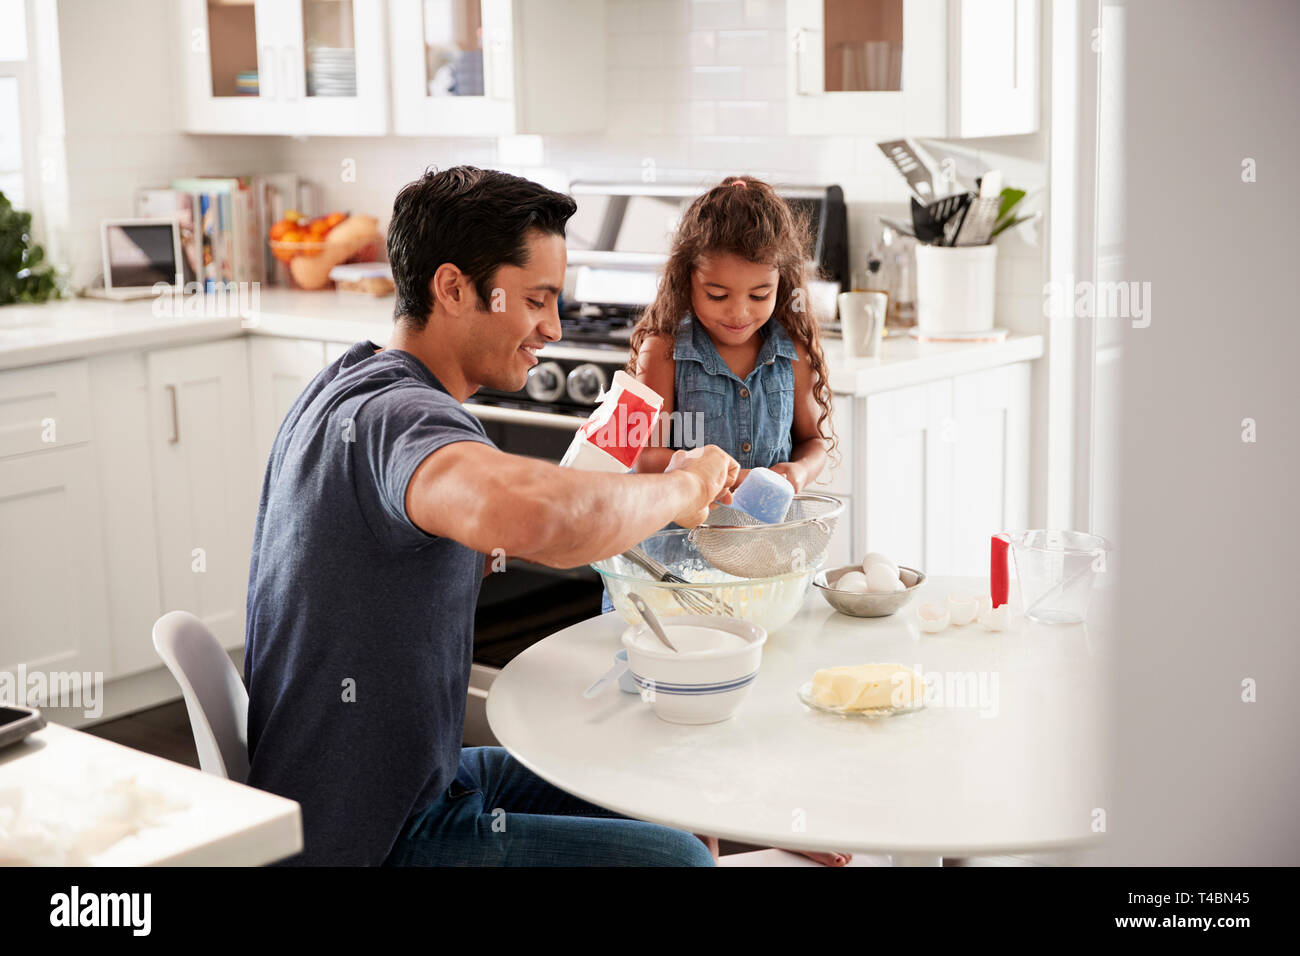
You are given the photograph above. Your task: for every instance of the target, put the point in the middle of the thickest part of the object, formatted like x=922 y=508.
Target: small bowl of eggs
x=875 y=588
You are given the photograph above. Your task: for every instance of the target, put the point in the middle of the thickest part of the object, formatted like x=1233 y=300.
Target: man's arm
x=487 y=499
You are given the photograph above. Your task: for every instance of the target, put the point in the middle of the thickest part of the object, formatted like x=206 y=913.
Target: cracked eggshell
x=932 y=616
x=962 y=607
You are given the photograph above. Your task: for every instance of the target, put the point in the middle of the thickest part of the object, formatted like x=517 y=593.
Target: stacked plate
x=246 y=83
x=332 y=71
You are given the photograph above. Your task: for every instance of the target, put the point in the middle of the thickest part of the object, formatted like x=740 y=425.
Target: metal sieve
x=739 y=544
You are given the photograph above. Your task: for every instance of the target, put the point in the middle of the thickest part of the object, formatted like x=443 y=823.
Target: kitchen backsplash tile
x=717 y=14
x=742 y=118
x=670 y=15
x=746 y=47
x=717 y=83
x=701 y=47
x=765 y=14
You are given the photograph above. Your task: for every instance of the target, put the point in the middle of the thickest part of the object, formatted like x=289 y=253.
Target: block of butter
x=868 y=687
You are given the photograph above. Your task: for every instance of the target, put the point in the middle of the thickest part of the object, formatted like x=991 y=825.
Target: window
x=15 y=139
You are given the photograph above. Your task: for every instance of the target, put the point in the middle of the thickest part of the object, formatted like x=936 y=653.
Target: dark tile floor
x=162 y=731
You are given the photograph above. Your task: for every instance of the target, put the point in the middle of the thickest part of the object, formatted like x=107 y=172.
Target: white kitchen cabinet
x=837 y=477
x=497 y=67
x=840 y=551
x=890 y=68
x=205 y=490
x=44 y=407
x=52 y=588
x=119 y=403
x=279 y=370
x=285 y=67
x=908 y=475
x=947 y=466
x=992 y=67
x=990 y=462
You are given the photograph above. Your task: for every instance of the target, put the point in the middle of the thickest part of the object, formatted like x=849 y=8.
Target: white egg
x=881 y=577
x=875 y=557
x=854 y=581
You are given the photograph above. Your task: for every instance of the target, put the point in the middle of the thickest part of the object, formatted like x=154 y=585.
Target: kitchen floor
x=165 y=732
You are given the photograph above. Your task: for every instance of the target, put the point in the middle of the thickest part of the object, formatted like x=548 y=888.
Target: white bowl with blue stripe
x=717 y=660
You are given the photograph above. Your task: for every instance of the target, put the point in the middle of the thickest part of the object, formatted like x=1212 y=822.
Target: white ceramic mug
x=862 y=321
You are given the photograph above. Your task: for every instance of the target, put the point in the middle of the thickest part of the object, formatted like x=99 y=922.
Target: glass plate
x=805 y=695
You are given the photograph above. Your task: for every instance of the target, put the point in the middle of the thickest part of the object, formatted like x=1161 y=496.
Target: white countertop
x=1008 y=757
x=87 y=801
x=80 y=328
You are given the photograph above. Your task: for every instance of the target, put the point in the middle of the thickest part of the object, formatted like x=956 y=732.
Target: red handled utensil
x=999 y=571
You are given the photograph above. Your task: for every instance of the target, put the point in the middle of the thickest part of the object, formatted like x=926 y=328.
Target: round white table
x=1007 y=756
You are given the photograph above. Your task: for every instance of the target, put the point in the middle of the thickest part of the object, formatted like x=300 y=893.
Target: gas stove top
x=598 y=327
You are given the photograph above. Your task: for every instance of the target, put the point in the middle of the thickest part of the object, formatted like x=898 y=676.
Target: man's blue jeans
x=497 y=812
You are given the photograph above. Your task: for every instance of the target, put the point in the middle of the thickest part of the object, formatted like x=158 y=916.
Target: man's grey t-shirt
x=360 y=625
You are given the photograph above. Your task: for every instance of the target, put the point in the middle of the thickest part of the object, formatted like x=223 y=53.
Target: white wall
x=121 y=100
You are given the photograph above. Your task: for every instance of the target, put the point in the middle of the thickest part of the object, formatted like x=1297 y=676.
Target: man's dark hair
x=476 y=219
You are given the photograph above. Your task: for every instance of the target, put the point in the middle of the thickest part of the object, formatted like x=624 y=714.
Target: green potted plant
x=25 y=276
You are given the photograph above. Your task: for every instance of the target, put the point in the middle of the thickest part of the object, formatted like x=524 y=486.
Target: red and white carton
x=616 y=432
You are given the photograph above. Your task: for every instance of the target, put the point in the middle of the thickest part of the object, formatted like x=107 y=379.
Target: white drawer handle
x=176 y=419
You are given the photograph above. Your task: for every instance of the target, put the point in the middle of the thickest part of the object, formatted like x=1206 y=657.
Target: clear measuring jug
x=1056 y=571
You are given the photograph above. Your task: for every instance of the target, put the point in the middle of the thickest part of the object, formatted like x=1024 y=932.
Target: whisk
x=690 y=600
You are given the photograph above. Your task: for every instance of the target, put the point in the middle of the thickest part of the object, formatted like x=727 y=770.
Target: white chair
x=215 y=696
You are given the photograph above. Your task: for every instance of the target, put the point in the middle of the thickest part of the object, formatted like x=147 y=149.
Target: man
x=381 y=497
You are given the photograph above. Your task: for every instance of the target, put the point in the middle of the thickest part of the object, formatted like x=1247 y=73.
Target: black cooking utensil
x=926 y=228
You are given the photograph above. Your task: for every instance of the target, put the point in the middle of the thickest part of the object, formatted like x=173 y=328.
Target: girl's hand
x=740 y=477
x=792 y=472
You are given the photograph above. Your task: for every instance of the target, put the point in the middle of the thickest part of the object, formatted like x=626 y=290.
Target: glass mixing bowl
x=768 y=602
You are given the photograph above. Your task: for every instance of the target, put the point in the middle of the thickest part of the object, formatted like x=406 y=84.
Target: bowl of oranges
x=310 y=247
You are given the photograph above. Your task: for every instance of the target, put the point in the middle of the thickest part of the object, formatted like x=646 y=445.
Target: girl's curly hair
x=743 y=216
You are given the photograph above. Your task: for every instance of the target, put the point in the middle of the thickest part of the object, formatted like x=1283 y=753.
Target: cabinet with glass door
x=891 y=68
x=497 y=67
x=285 y=67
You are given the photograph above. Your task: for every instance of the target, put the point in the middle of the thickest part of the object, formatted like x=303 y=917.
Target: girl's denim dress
x=750 y=419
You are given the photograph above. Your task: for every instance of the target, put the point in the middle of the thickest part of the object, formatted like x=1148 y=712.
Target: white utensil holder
x=955 y=288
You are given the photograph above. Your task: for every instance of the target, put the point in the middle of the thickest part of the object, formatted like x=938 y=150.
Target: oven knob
x=587 y=384
x=545 y=382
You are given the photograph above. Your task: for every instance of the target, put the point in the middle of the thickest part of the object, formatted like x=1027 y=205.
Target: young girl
x=730 y=342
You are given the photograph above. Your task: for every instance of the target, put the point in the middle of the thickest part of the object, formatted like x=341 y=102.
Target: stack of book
x=224 y=222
